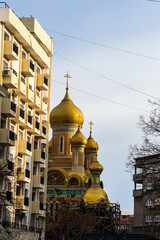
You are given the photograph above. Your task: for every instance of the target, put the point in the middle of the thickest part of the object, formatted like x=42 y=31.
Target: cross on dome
x=67 y=76
x=91 y=124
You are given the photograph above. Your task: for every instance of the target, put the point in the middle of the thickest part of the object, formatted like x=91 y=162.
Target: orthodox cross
x=91 y=124
x=67 y=76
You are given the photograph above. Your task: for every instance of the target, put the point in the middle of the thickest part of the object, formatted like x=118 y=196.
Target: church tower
x=72 y=161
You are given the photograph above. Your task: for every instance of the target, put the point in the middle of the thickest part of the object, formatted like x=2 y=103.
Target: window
x=149 y=203
x=53 y=144
x=5 y=64
x=148 y=218
x=6 y=36
x=20 y=135
x=38 y=70
x=24 y=54
x=73 y=182
x=70 y=149
x=23 y=79
x=88 y=163
x=76 y=158
x=3 y=123
x=61 y=144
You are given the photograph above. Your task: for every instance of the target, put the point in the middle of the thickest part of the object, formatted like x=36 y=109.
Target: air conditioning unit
x=7 y=72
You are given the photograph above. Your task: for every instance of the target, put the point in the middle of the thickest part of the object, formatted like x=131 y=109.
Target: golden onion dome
x=78 y=139
x=95 y=195
x=66 y=113
x=92 y=145
x=96 y=167
x=50 y=146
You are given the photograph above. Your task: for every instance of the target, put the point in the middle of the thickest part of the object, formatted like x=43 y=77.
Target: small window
x=20 y=135
x=88 y=163
x=6 y=36
x=76 y=158
x=53 y=144
x=24 y=54
x=61 y=144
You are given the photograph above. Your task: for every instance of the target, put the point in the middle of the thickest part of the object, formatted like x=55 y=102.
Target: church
x=73 y=168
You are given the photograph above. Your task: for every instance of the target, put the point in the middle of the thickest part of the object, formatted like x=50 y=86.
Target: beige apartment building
x=25 y=78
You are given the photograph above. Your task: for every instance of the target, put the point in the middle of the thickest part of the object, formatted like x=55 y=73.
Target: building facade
x=147 y=195
x=25 y=79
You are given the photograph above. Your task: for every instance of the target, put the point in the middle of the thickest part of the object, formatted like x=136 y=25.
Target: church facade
x=73 y=168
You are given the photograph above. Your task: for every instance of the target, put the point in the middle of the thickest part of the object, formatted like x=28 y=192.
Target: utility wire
x=102 y=98
x=107 y=78
x=103 y=45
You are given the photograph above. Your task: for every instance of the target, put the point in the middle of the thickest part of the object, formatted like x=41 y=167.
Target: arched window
x=61 y=144
x=73 y=182
x=56 y=178
x=76 y=158
x=70 y=149
x=53 y=144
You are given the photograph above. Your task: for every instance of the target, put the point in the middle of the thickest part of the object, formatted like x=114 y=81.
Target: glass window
x=76 y=158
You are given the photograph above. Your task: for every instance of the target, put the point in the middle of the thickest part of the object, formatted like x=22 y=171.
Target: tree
x=151 y=133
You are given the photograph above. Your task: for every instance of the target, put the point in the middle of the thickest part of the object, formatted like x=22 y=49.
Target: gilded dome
x=66 y=113
x=95 y=195
x=78 y=139
x=96 y=167
x=91 y=146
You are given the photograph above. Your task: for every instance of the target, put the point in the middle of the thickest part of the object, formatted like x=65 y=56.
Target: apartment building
x=147 y=195
x=25 y=78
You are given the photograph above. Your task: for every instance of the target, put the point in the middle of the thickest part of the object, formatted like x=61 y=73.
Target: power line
x=153 y=0
x=107 y=78
x=102 y=98
x=104 y=45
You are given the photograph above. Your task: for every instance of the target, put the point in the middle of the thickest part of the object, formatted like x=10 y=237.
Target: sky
x=130 y=25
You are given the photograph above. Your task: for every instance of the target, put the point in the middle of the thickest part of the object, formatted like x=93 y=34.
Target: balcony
x=39 y=156
x=20 y=116
x=37 y=101
x=28 y=68
x=7 y=137
x=43 y=109
x=10 y=78
x=42 y=134
x=38 y=181
x=24 y=176
x=22 y=88
x=7 y=167
x=22 y=203
x=8 y=108
x=42 y=82
x=24 y=148
x=10 y=50
x=38 y=208
x=138 y=193
x=138 y=178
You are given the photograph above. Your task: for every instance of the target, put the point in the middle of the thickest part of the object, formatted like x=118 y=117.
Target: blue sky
x=131 y=25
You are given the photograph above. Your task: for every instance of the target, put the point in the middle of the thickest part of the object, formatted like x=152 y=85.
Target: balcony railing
x=26 y=201
x=42 y=180
x=37 y=125
x=28 y=146
x=22 y=113
x=30 y=119
x=13 y=106
x=15 y=48
x=44 y=130
x=12 y=136
x=32 y=66
x=27 y=173
x=41 y=206
x=42 y=155
x=46 y=81
x=10 y=165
